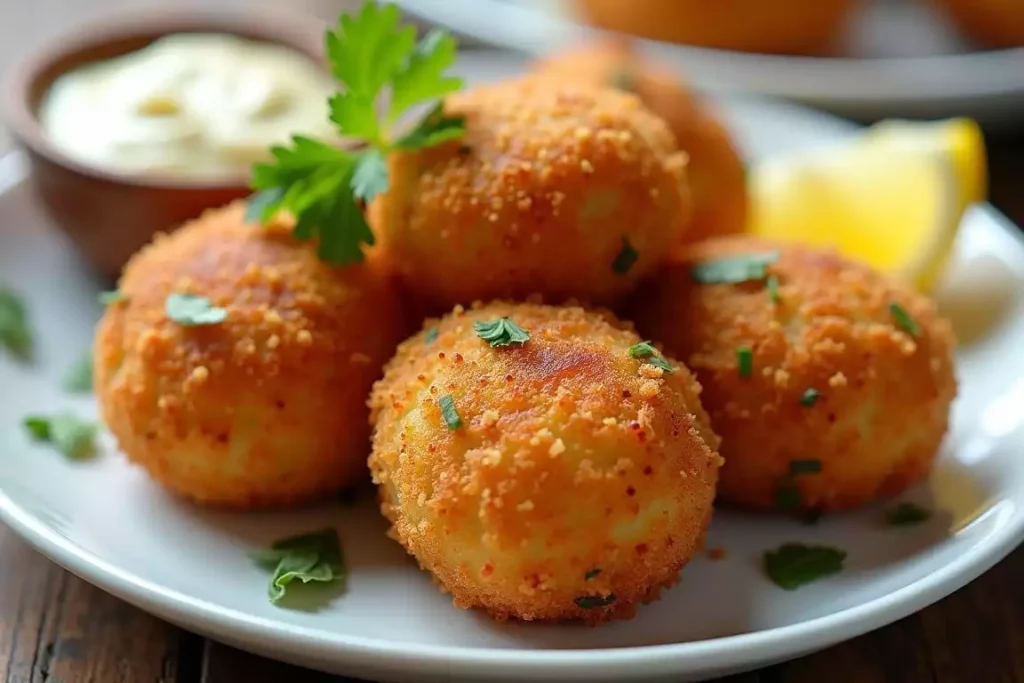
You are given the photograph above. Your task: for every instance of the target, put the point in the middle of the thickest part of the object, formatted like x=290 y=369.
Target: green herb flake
x=449 y=413
x=903 y=319
x=773 y=289
x=734 y=269
x=794 y=564
x=15 y=330
x=623 y=77
x=594 y=601
x=787 y=498
x=78 y=379
x=69 y=435
x=811 y=516
x=809 y=397
x=431 y=336
x=112 y=298
x=646 y=351
x=383 y=73
x=797 y=467
x=745 y=361
x=313 y=557
x=626 y=258
x=500 y=332
x=190 y=310
x=592 y=574
x=906 y=514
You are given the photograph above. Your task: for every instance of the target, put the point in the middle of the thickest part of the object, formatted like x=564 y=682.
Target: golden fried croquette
x=829 y=384
x=788 y=27
x=993 y=23
x=267 y=407
x=564 y=191
x=560 y=479
x=716 y=172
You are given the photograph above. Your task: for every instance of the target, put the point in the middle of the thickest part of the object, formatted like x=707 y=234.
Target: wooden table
x=55 y=628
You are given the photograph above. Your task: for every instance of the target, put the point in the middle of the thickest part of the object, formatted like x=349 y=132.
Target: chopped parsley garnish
x=592 y=574
x=795 y=564
x=906 y=514
x=787 y=497
x=191 y=310
x=310 y=557
x=15 y=331
x=449 y=413
x=745 y=361
x=903 y=319
x=623 y=77
x=811 y=516
x=797 y=467
x=73 y=437
x=810 y=397
x=431 y=336
x=626 y=258
x=773 y=289
x=113 y=297
x=646 y=351
x=594 y=601
x=78 y=379
x=383 y=73
x=734 y=269
x=500 y=332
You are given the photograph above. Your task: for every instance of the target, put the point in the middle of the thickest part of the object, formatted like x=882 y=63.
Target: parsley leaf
x=78 y=379
x=795 y=564
x=15 y=331
x=745 y=361
x=382 y=73
x=903 y=319
x=804 y=467
x=449 y=413
x=310 y=557
x=773 y=289
x=734 y=269
x=70 y=435
x=626 y=258
x=787 y=497
x=431 y=336
x=646 y=351
x=111 y=298
x=592 y=574
x=809 y=397
x=594 y=601
x=191 y=310
x=500 y=332
x=906 y=514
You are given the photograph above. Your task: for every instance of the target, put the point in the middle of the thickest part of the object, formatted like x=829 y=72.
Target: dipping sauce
x=189 y=105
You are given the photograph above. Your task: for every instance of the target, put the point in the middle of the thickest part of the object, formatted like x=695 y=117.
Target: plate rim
x=727 y=653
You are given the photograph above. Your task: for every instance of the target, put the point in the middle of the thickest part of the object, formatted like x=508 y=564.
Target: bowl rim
x=300 y=31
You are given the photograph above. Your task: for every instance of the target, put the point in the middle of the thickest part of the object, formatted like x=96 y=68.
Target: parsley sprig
x=383 y=73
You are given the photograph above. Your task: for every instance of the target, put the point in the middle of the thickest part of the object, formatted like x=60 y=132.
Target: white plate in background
x=106 y=522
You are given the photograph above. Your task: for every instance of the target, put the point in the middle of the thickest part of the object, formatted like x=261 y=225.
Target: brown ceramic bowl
x=109 y=215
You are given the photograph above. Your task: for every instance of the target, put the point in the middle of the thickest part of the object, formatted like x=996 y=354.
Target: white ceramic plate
x=107 y=523
x=899 y=58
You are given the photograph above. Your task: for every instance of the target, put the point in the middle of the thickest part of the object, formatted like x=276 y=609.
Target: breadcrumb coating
x=716 y=172
x=576 y=486
x=540 y=196
x=834 y=378
x=266 y=408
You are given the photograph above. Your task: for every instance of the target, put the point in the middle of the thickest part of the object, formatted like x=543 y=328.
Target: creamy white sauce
x=188 y=106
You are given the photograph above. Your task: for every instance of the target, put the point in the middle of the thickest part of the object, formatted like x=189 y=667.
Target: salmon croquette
x=716 y=172
x=236 y=367
x=829 y=384
x=569 y=475
x=563 y=191
x=789 y=27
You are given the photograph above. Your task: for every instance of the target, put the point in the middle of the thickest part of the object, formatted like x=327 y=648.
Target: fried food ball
x=994 y=23
x=789 y=27
x=570 y=192
x=716 y=173
x=560 y=479
x=267 y=407
x=829 y=384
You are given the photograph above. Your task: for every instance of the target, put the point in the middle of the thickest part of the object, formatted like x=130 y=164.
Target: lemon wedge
x=893 y=197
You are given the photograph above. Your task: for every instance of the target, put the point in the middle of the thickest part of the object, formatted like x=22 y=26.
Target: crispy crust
x=572 y=456
x=994 y=23
x=537 y=197
x=885 y=395
x=716 y=172
x=267 y=408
